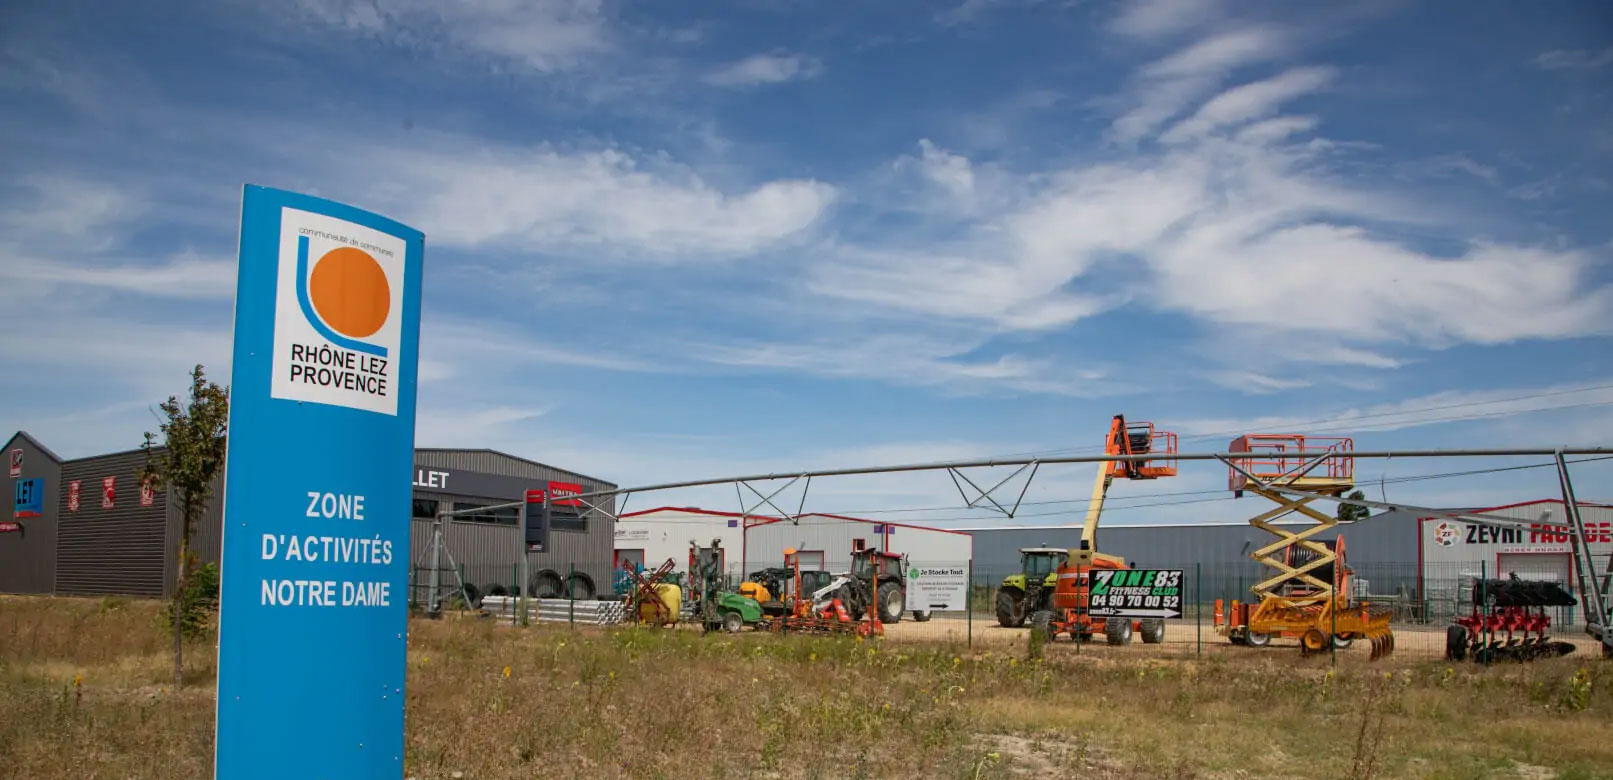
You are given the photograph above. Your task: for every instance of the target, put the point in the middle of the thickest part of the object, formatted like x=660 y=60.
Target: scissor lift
x=1308 y=596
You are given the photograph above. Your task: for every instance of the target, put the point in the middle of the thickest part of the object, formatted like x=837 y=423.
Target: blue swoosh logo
x=313 y=319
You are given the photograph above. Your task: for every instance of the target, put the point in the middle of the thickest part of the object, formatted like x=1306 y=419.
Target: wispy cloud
x=1153 y=19
x=1254 y=383
x=1163 y=88
x=543 y=35
x=760 y=69
x=180 y=277
x=912 y=360
x=1575 y=59
x=966 y=11
x=629 y=205
x=1451 y=406
x=1249 y=101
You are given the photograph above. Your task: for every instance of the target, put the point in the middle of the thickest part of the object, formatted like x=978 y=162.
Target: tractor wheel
x=1117 y=631
x=1254 y=639
x=1343 y=641
x=1010 y=610
x=580 y=587
x=1312 y=641
x=891 y=603
x=1042 y=622
x=1455 y=643
x=732 y=622
x=546 y=584
x=1153 y=631
x=921 y=617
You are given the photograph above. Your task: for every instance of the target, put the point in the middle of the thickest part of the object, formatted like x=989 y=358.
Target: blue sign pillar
x=312 y=621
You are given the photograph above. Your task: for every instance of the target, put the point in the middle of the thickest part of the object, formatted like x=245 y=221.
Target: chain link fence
x=1422 y=601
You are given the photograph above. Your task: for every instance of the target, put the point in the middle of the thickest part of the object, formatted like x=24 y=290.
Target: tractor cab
x=1038 y=562
x=869 y=563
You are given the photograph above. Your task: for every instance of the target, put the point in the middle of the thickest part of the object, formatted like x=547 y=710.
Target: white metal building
x=1452 y=552
x=650 y=536
x=826 y=542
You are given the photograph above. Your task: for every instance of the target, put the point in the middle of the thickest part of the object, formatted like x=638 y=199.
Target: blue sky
x=677 y=240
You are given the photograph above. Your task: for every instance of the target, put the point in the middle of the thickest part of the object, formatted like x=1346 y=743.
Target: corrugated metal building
x=99 y=533
x=1382 y=550
x=28 y=545
x=826 y=541
x=650 y=537
x=1453 y=553
x=486 y=546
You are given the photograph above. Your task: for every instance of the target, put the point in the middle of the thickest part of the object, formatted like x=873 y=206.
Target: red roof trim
x=1535 y=502
x=771 y=520
x=695 y=511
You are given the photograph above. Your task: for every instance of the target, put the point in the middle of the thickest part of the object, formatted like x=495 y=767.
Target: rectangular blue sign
x=28 y=498
x=313 y=618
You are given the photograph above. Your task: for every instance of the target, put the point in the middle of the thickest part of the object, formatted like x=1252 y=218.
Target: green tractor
x=1031 y=590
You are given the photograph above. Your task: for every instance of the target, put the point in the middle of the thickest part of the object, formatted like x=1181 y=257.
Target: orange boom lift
x=1071 y=593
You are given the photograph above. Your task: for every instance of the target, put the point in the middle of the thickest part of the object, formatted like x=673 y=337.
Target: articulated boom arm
x=1123 y=439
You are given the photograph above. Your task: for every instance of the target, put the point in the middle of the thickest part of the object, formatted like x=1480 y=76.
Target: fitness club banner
x=1136 y=593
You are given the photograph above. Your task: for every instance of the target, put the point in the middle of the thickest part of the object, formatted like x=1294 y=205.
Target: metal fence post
x=1333 y=630
x=571 y=596
x=969 y=604
x=1198 y=605
x=515 y=587
x=1484 y=608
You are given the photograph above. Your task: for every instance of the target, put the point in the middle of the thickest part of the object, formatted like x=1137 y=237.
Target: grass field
x=85 y=693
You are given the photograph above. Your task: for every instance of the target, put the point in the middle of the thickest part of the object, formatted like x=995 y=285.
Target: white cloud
x=639 y=206
x=180 y=277
x=1236 y=228
x=1440 y=408
x=951 y=172
x=1170 y=84
x=774 y=68
x=1339 y=355
x=1254 y=383
x=476 y=345
x=1153 y=19
x=69 y=214
x=1218 y=54
x=544 y=35
x=469 y=427
x=1575 y=59
x=1380 y=291
x=910 y=360
x=1249 y=101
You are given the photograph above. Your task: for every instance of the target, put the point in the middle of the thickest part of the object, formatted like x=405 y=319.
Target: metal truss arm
x=768 y=499
x=985 y=494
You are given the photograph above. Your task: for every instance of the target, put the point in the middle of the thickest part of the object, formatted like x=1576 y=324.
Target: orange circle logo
x=350 y=292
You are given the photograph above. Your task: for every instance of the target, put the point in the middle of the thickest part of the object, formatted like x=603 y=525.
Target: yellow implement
x=1308 y=595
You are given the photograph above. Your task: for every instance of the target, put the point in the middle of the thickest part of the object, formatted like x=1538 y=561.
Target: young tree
x=1349 y=513
x=187 y=459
